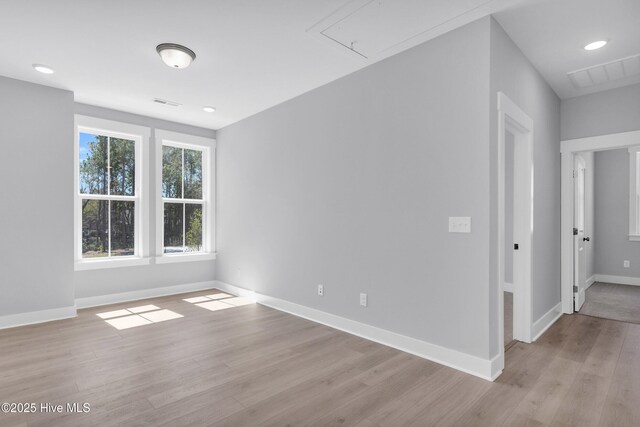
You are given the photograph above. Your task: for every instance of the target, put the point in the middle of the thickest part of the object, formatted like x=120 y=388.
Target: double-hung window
x=634 y=193
x=184 y=213
x=109 y=199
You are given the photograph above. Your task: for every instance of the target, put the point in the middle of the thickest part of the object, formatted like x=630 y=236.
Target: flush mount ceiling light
x=43 y=69
x=595 y=45
x=175 y=55
x=209 y=109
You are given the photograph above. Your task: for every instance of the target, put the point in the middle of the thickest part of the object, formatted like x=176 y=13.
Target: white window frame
x=208 y=148
x=634 y=193
x=141 y=136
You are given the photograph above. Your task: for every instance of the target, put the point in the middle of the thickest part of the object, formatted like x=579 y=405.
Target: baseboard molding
x=22 y=319
x=507 y=287
x=590 y=281
x=483 y=368
x=541 y=325
x=620 y=280
x=143 y=294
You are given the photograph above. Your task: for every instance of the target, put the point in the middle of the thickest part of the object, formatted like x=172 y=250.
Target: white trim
x=508 y=287
x=182 y=257
x=634 y=237
x=590 y=281
x=29 y=318
x=634 y=200
x=568 y=149
x=208 y=148
x=141 y=136
x=516 y=121
x=619 y=280
x=483 y=368
x=142 y=294
x=541 y=325
x=97 y=264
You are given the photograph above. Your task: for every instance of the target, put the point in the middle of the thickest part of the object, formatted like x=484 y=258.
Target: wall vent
x=605 y=73
x=165 y=102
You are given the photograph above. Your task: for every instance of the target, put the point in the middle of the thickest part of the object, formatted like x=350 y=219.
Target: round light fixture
x=595 y=45
x=43 y=69
x=175 y=55
x=209 y=109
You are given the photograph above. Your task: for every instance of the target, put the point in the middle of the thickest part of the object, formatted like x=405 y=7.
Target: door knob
x=586 y=239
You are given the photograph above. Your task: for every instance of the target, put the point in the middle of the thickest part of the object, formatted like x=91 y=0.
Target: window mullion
x=184 y=226
x=109 y=226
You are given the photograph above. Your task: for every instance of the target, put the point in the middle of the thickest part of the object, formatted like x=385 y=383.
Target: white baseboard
x=483 y=368
x=541 y=325
x=507 y=287
x=22 y=319
x=590 y=281
x=143 y=294
x=620 y=280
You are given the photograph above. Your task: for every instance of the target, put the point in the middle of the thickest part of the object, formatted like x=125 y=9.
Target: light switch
x=459 y=224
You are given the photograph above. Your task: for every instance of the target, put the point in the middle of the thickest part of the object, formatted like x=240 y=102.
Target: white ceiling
x=251 y=54
x=552 y=33
x=254 y=54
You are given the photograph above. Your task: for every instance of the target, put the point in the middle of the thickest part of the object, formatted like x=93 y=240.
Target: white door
x=579 y=238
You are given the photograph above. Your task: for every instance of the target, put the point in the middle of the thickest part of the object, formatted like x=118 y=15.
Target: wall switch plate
x=363 y=300
x=626 y=263
x=321 y=290
x=459 y=224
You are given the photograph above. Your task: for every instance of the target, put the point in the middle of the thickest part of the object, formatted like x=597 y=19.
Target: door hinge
x=575 y=288
x=575 y=231
x=574 y=173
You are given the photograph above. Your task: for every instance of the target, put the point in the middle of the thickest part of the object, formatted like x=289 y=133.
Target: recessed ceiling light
x=175 y=55
x=595 y=45
x=43 y=69
x=209 y=109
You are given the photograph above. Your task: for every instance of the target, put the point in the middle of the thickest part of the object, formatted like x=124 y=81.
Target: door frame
x=511 y=118
x=579 y=224
x=568 y=149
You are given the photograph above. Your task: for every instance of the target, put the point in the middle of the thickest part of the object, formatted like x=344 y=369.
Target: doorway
x=574 y=281
x=515 y=221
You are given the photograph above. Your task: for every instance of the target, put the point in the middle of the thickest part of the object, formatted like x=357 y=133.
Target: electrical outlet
x=321 y=290
x=363 y=300
x=626 y=263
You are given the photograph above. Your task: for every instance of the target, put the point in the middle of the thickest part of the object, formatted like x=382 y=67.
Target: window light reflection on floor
x=219 y=301
x=137 y=316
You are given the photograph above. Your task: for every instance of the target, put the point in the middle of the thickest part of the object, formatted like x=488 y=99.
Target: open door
x=579 y=238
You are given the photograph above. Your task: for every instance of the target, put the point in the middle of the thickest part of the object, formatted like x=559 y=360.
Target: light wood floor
x=252 y=365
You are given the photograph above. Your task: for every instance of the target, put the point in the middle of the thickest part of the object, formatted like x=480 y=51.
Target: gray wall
x=514 y=75
x=115 y=280
x=602 y=113
x=351 y=185
x=36 y=172
x=589 y=214
x=612 y=245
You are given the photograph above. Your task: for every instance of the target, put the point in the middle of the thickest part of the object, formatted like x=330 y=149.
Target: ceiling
x=552 y=34
x=254 y=54
x=251 y=54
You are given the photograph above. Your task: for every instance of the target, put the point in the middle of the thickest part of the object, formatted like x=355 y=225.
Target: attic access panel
x=370 y=27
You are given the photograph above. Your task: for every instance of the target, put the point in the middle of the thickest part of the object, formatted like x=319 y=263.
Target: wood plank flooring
x=255 y=366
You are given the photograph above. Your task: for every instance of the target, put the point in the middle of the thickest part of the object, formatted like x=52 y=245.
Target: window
x=634 y=193
x=185 y=207
x=109 y=194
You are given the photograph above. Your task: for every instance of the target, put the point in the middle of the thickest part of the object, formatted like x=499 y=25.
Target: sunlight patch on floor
x=137 y=316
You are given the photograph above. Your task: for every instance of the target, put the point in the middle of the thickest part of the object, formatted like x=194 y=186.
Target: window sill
x=634 y=237
x=167 y=259
x=110 y=263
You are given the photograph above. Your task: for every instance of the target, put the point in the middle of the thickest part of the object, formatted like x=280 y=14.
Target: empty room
x=314 y=213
